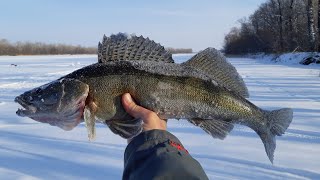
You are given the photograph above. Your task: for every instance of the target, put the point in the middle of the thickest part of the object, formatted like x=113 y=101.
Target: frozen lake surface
x=31 y=150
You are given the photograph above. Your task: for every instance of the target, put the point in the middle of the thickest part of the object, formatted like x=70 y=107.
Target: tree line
x=277 y=26
x=38 y=48
x=179 y=50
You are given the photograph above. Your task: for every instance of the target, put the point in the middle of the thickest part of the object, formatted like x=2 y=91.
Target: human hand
x=150 y=119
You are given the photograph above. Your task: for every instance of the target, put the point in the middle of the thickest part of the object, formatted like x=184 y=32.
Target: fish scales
x=179 y=91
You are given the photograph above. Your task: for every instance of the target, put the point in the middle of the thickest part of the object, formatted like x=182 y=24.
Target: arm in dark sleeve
x=158 y=154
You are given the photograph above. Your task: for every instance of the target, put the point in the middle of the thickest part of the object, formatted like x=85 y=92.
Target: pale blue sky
x=173 y=23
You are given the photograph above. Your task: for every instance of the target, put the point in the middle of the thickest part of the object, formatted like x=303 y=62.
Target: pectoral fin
x=90 y=122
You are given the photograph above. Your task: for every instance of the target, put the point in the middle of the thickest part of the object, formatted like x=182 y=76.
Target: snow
x=286 y=58
x=31 y=150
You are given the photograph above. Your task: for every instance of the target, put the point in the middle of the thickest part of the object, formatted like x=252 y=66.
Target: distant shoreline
x=75 y=54
x=49 y=55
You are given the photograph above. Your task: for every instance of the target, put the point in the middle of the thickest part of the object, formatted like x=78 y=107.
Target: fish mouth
x=27 y=110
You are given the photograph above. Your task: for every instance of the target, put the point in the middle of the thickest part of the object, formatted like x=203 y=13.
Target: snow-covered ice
x=286 y=58
x=31 y=150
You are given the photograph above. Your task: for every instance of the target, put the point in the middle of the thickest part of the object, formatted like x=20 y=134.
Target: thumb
x=132 y=108
x=150 y=119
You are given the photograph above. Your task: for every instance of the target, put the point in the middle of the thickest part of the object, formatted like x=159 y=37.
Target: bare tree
x=277 y=26
x=290 y=33
x=311 y=25
x=318 y=26
x=280 y=24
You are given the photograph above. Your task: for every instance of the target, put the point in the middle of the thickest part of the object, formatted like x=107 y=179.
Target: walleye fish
x=206 y=90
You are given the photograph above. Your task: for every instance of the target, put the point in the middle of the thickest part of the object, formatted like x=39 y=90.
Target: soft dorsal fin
x=214 y=64
x=130 y=47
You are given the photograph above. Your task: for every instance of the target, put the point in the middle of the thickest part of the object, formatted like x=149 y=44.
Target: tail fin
x=280 y=120
x=277 y=123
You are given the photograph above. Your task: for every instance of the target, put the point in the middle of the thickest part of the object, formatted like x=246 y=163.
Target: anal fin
x=216 y=128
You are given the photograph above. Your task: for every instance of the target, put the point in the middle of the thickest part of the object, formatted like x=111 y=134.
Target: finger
x=132 y=108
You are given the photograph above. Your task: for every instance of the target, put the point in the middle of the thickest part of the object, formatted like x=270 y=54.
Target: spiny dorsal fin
x=214 y=64
x=130 y=47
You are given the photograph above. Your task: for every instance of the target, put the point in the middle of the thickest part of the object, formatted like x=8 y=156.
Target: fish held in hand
x=206 y=90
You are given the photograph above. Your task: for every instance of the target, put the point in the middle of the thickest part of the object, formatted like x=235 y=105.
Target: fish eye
x=50 y=100
x=38 y=90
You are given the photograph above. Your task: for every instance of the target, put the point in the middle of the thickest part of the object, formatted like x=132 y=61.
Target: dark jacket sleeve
x=158 y=154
